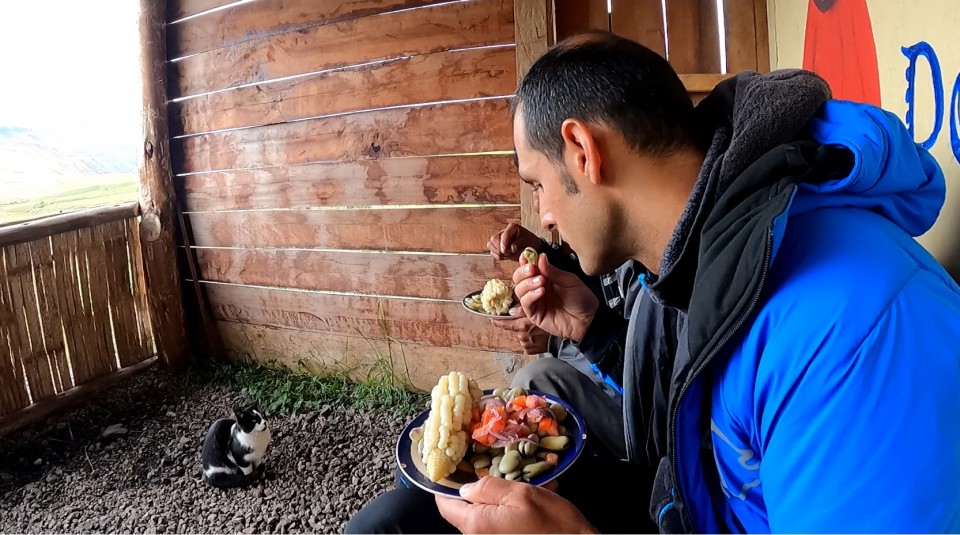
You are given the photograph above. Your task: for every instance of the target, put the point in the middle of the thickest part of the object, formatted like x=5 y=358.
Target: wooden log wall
x=72 y=308
x=341 y=166
x=687 y=34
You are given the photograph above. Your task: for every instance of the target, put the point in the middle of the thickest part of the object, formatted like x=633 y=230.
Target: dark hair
x=599 y=77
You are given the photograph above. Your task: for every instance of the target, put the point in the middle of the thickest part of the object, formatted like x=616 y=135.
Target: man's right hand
x=511 y=241
x=554 y=300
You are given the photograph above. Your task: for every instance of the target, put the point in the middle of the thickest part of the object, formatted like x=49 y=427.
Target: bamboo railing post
x=157 y=197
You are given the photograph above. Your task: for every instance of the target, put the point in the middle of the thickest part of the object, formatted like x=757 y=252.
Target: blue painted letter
x=955 y=120
x=912 y=53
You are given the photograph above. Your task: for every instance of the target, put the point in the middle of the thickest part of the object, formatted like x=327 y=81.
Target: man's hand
x=554 y=300
x=532 y=339
x=511 y=241
x=495 y=505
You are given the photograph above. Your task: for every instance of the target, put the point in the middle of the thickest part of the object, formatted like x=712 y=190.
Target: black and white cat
x=234 y=448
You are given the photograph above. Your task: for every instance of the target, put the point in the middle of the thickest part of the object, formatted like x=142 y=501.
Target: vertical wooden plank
x=22 y=348
x=113 y=294
x=140 y=289
x=88 y=358
x=35 y=361
x=535 y=34
x=91 y=334
x=98 y=318
x=7 y=401
x=693 y=40
x=11 y=373
x=157 y=197
x=576 y=16
x=116 y=294
x=709 y=45
x=100 y=286
x=66 y=284
x=121 y=295
x=641 y=21
x=42 y=256
x=763 y=38
x=135 y=327
x=741 y=35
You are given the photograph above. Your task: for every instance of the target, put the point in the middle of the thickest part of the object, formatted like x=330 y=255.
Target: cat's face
x=250 y=420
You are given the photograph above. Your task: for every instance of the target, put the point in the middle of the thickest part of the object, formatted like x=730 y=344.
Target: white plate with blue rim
x=414 y=472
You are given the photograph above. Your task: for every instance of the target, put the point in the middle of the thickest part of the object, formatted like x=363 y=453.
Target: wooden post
x=535 y=33
x=157 y=197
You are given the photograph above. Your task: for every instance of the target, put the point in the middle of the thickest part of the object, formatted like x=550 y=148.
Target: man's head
x=598 y=118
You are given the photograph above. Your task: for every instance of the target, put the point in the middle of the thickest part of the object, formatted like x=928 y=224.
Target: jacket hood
x=871 y=162
x=742 y=119
x=890 y=174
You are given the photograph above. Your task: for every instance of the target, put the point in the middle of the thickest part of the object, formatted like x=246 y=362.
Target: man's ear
x=581 y=145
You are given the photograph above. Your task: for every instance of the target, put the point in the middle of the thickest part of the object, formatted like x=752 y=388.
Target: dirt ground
x=63 y=476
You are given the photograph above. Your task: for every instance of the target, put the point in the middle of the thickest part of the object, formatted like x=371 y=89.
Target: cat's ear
x=243 y=408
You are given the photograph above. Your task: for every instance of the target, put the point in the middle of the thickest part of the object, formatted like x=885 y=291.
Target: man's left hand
x=533 y=339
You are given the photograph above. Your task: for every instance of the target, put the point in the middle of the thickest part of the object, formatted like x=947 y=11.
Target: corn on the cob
x=444 y=433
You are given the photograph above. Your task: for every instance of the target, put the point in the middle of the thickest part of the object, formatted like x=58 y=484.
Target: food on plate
x=496 y=297
x=443 y=438
x=512 y=433
x=474 y=303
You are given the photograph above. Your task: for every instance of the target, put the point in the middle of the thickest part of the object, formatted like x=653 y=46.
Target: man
x=589 y=381
x=815 y=385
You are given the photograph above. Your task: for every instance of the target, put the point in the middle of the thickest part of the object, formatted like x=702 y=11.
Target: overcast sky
x=71 y=67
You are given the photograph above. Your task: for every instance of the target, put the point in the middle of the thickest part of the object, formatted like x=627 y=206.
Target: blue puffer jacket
x=839 y=410
x=813 y=383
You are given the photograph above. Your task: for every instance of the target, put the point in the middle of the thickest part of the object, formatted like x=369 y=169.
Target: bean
x=495 y=466
x=531 y=255
x=480 y=461
x=514 y=393
x=554 y=443
x=559 y=412
x=510 y=462
x=535 y=469
x=530 y=448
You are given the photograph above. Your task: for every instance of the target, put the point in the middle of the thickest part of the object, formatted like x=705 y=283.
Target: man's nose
x=547 y=221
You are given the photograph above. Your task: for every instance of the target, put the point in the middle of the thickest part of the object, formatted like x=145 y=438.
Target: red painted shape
x=839 y=46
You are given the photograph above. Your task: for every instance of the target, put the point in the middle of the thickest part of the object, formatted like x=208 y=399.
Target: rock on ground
x=64 y=476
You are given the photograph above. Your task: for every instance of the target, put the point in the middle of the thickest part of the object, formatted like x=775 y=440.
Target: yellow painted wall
x=897 y=24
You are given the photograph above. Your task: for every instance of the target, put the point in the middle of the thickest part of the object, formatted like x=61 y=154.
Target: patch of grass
x=278 y=390
x=79 y=193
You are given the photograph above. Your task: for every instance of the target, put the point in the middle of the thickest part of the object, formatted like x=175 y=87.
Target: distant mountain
x=34 y=164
